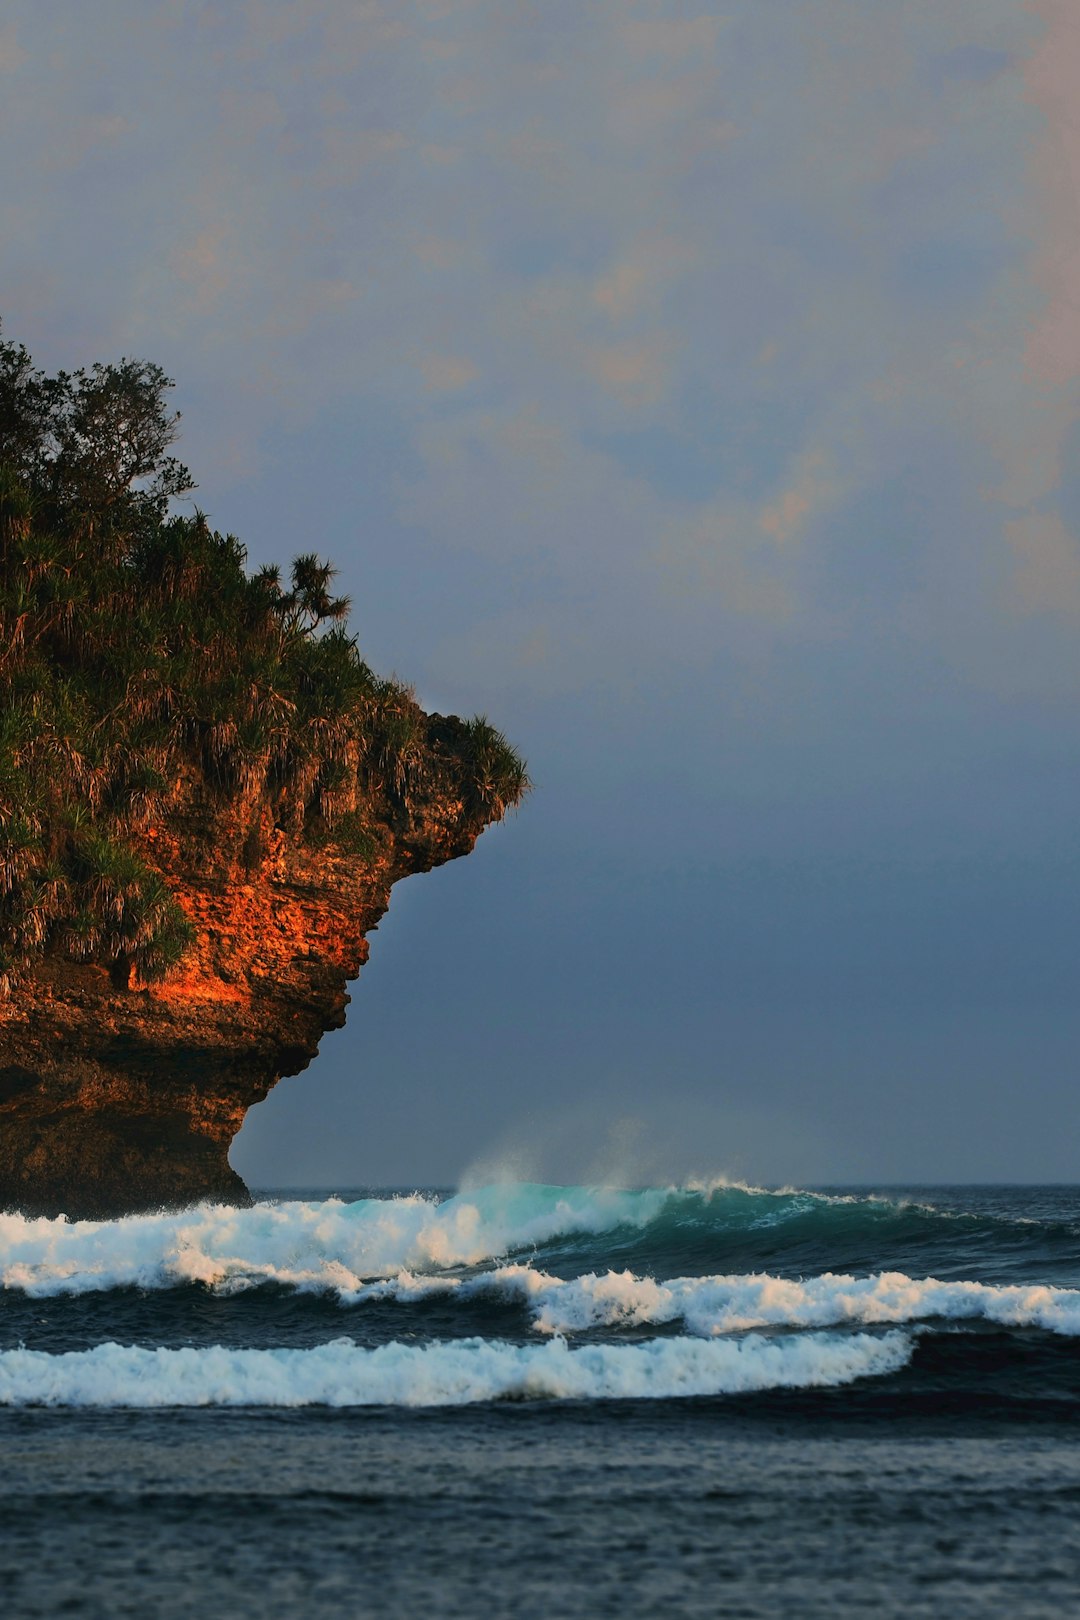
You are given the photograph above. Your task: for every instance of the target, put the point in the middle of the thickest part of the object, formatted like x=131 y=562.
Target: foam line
x=715 y=1305
x=708 y=1306
x=442 y=1374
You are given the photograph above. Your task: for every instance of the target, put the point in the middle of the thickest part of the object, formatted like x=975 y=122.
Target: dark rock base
x=105 y=1165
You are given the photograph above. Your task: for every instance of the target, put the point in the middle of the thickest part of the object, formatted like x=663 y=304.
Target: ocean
x=536 y=1401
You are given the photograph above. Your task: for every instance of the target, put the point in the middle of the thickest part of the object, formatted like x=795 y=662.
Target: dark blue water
x=539 y=1401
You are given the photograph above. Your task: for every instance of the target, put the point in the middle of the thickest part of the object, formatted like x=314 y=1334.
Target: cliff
x=205 y=797
x=118 y=1096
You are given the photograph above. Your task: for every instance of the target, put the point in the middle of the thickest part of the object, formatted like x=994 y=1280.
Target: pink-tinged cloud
x=12 y=56
x=811 y=488
x=635 y=373
x=1053 y=82
x=446 y=373
x=1047 y=561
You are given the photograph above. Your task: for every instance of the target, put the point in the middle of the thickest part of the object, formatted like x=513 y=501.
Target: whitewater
x=524 y=1253
x=342 y=1373
x=428 y=1384
x=413 y=1248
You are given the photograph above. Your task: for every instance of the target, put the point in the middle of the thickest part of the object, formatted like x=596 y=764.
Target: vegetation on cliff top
x=139 y=659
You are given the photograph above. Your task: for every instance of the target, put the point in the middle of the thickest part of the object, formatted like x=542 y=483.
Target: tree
x=24 y=411
x=309 y=604
x=92 y=444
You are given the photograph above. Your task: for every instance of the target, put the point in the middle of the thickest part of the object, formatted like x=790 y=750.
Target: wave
x=326 y=1243
x=708 y=1306
x=459 y=1373
x=342 y=1246
x=335 y=1245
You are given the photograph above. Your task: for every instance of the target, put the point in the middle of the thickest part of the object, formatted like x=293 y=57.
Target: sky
x=693 y=390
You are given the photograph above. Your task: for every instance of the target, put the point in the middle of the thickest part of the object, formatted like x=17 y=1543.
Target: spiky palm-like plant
x=137 y=654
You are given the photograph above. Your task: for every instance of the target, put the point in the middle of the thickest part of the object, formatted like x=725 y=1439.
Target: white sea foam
x=441 y=1374
x=333 y=1245
x=404 y=1248
x=714 y=1305
x=328 y=1244
x=708 y=1306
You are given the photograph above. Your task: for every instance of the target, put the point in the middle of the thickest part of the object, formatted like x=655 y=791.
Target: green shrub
x=137 y=654
x=501 y=779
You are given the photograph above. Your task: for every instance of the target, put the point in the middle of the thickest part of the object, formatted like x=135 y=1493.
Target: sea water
x=526 y=1400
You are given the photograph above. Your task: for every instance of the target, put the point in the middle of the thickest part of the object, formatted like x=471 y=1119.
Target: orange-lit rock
x=117 y=1097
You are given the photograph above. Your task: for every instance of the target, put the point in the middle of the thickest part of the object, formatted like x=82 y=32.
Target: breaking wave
x=326 y=1244
x=558 y=1293
x=708 y=1306
x=337 y=1246
x=459 y=1373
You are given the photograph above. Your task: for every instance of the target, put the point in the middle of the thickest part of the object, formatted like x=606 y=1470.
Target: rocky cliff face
x=116 y=1096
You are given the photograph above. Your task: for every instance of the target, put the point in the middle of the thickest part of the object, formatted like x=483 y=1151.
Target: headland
x=206 y=796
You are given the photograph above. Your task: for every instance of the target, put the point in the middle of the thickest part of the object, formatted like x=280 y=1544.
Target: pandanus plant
x=138 y=657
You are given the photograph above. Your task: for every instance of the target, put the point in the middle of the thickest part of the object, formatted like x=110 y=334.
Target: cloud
x=640 y=281
x=645 y=298
x=785 y=517
x=203 y=266
x=619 y=292
x=438 y=253
x=446 y=373
x=711 y=567
x=660 y=37
x=12 y=56
x=348 y=152
x=1052 y=75
x=83 y=141
x=635 y=373
x=1047 y=557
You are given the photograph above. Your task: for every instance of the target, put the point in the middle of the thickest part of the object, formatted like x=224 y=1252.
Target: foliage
x=139 y=657
x=499 y=776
